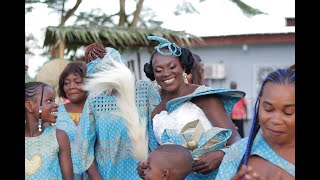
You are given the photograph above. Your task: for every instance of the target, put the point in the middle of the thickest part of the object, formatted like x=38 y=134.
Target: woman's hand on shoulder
x=246 y=173
x=208 y=162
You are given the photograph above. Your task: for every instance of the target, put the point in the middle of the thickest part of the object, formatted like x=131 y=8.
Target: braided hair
x=94 y=51
x=31 y=89
x=280 y=76
x=186 y=60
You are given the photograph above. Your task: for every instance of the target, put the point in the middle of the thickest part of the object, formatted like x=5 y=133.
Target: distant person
x=270 y=154
x=197 y=72
x=170 y=162
x=239 y=112
x=26 y=67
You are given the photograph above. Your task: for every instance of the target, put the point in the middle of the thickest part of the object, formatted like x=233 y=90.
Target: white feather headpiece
x=116 y=76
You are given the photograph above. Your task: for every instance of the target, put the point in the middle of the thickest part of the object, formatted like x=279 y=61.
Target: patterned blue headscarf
x=174 y=50
x=99 y=64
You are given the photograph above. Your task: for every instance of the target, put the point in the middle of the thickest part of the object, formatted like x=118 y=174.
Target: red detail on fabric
x=238 y=111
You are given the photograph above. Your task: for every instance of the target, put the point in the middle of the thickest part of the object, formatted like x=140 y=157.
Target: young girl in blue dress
x=47 y=149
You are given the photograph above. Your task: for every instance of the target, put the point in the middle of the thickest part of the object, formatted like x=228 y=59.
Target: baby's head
x=169 y=161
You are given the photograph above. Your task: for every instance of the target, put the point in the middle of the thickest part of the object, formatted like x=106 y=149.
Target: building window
x=261 y=72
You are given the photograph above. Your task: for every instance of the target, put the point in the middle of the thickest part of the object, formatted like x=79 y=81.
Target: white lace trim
x=178 y=118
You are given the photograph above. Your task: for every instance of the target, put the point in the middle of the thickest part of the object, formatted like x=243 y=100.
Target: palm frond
x=246 y=9
x=117 y=37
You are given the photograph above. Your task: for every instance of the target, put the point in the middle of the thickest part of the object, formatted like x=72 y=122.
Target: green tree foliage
x=97 y=17
x=59 y=7
x=187 y=7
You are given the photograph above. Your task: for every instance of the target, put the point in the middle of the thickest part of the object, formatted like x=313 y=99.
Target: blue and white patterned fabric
x=82 y=137
x=41 y=156
x=99 y=64
x=182 y=111
x=113 y=146
x=216 y=136
x=232 y=159
x=174 y=50
x=228 y=96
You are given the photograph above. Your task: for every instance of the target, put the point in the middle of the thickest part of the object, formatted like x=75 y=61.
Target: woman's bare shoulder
x=206 y=100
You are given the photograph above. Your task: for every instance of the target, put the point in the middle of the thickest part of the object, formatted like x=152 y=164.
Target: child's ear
x=28 y=105
x=165 y=174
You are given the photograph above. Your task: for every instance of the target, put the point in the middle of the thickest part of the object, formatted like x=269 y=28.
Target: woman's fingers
x=241 y=173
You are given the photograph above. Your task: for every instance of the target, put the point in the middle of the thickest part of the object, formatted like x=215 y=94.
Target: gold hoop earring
x=185 y=79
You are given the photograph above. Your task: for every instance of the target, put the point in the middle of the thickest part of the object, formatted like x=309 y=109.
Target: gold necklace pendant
x=75 y=117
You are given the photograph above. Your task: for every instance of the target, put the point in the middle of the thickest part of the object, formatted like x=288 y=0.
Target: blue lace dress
x=113 y=146
x=41 y=156
x=82 y=137
x=232 y=159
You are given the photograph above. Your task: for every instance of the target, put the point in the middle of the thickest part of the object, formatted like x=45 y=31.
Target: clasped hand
x=208 y=162
x=141 y=166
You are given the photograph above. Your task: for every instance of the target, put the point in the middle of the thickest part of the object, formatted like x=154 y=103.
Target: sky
x=216 y=17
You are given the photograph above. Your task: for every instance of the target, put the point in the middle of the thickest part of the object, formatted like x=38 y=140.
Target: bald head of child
x=169 y=161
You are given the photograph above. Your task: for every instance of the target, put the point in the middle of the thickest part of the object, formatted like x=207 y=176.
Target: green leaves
x=185 y=7
x=120 y=38
x=246 y=9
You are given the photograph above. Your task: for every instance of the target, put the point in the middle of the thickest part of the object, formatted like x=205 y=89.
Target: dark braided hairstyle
x=32 y=90
x=94 y=51
x=185 y=59
x=280 y=76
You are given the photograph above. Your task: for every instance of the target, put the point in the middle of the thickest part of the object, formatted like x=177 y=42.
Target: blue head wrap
x=174 y=50
x=99 y=64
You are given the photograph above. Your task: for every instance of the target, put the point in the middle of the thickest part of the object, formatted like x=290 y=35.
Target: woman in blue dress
x=47 y=149
x=113 y=149
x=271 y=153
x=73 y=119
x=183 y=103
